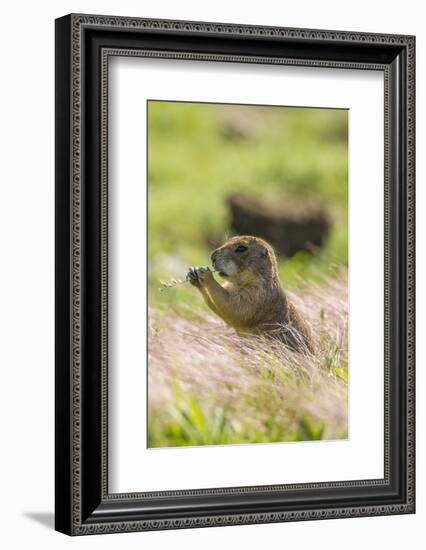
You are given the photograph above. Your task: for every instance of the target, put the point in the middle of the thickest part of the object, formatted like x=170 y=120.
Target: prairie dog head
x=245 y=259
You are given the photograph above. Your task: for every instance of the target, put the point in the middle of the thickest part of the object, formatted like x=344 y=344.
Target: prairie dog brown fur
x=252 y=298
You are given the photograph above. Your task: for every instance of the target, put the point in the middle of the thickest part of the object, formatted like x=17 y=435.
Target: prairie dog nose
x=213 y=256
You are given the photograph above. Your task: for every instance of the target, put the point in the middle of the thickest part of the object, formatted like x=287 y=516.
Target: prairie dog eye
x=241 y=248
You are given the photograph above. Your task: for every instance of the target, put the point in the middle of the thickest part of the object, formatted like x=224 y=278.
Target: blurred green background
x=199 y=154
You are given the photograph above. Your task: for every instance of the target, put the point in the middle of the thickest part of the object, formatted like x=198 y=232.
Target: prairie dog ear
x=265 y=253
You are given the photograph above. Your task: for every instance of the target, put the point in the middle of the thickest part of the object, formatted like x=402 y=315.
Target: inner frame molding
x=84 y=43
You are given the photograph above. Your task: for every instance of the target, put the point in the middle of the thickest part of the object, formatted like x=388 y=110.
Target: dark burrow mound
x=289 y=226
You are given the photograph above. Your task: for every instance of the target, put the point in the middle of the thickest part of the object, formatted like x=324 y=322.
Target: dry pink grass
x=254 y=381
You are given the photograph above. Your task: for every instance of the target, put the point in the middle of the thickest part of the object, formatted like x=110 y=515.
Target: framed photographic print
x=234 y=274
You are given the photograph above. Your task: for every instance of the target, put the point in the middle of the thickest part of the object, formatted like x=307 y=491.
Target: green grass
x=207 y=386
x=193 y=165
x=189 y=425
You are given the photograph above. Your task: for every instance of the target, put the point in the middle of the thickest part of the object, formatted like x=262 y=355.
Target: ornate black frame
x=83 y=46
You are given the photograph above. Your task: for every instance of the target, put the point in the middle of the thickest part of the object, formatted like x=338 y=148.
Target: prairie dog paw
x=199 y=276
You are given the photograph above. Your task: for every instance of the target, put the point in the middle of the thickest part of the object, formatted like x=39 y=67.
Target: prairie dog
x=252 y=299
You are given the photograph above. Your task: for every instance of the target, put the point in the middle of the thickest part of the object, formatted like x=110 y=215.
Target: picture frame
x=83 y=503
